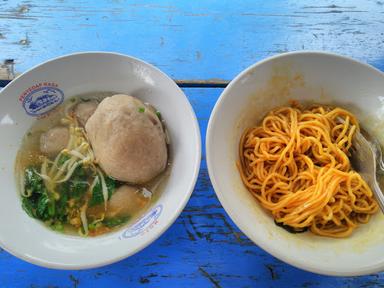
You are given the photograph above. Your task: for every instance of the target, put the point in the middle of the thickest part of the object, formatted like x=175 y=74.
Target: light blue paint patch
x=144 y=223
x=42 y=100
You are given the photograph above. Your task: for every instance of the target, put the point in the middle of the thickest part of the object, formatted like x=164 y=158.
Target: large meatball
x=128 y=139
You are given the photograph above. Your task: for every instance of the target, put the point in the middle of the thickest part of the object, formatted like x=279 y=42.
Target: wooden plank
x=191 y=39
x=202 y=83
x=181 y=83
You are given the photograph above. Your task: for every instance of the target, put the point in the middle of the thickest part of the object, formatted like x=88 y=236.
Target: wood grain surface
x=197 y=40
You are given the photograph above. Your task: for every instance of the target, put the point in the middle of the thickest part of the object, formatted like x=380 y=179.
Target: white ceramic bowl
x=75 y=74
x=306 y=76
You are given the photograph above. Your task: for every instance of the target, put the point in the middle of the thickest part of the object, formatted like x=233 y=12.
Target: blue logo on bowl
x=144 y=224
x=42 y=100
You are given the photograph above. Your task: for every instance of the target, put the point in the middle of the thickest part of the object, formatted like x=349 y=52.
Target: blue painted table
x=189 y=40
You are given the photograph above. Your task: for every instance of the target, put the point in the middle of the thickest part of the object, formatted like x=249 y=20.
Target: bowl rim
x=179 y=206
x=233 y=214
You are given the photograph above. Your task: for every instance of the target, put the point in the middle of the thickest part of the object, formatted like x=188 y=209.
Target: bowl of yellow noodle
x=279 y=143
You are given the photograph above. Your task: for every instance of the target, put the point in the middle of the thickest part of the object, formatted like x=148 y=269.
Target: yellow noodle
x=296 y=165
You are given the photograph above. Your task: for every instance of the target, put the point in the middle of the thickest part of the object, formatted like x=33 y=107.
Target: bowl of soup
x=279 y=147
x=101 y=153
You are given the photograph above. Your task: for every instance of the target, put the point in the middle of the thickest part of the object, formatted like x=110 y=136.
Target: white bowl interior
x=82 y=73
x=309 y=77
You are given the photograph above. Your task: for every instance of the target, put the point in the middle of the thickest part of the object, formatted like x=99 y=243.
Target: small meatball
x=54 y=140
x=128 y=139
x=84 y=110
x=126 y=201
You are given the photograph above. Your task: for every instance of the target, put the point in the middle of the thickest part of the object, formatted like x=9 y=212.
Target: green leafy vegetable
x=159 y=115
x=36 y=204
x=39 y=205
x=45 y=209
x=57 y=226
x=97 y=195
x=33 y=182
x=29 y=207
x=62 y=159
x=56 y=211
x=113 y=222
x=61 y=208
x=77 y=185
x=111 y=186
x=97 y=192
x=42 y=206
x=141 y=109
